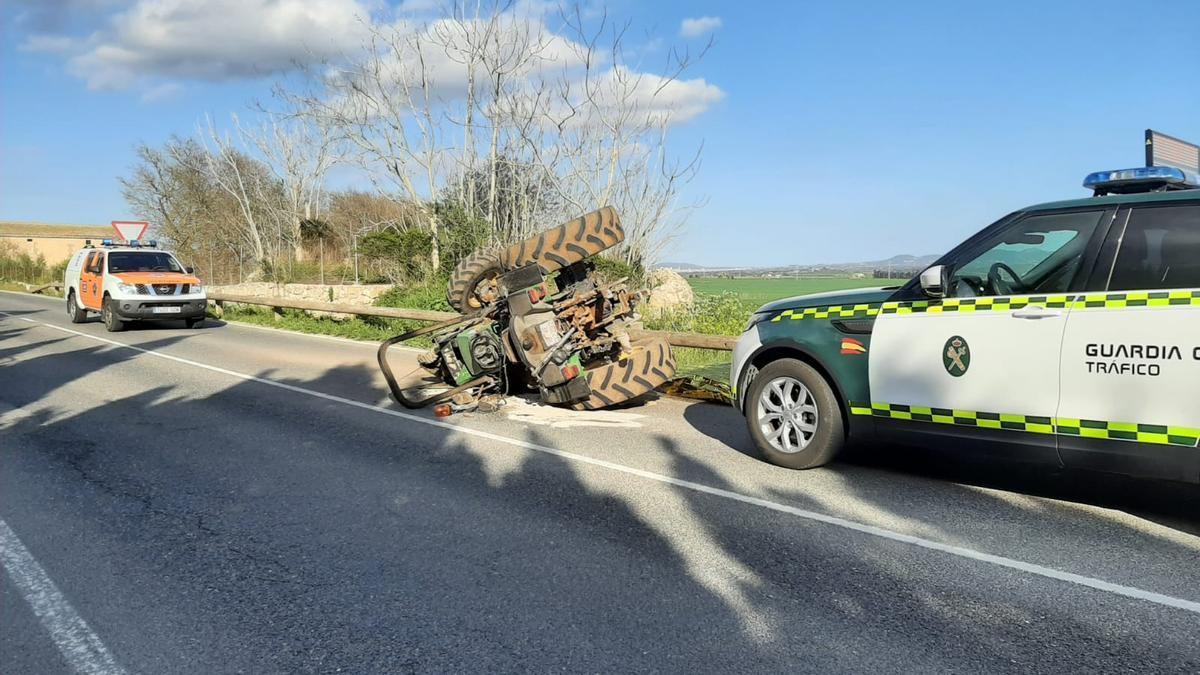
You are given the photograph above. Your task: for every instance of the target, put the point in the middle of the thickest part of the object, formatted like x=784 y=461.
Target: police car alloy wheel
x=787 y=414
x=793 y=415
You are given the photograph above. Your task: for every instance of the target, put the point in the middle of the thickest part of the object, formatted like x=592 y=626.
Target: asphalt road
x=233 y=499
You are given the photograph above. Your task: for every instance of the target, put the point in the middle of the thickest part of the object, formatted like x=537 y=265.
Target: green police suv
x=1066 y=332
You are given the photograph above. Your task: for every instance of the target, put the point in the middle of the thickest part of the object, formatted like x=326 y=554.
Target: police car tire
x=830 y=435
x=194 y=323
x=112 y=323
x=77 y=313
x=460 y=291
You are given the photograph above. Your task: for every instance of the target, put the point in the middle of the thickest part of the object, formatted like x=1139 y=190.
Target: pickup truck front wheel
x=793 y=415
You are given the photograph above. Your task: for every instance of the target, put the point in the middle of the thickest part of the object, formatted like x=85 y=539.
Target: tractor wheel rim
x=787 y=414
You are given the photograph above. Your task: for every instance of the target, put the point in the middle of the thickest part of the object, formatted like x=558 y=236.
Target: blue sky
x=847 y=131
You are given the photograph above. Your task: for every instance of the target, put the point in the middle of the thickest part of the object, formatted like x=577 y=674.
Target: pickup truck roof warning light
x=1142 y=179
x=106 y=242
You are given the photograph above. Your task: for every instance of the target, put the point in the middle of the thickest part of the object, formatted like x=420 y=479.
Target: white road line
x=244 y=324
x=81 y=647
x=959 y=551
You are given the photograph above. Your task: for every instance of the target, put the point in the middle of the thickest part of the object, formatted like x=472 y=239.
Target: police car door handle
x=1036 y=312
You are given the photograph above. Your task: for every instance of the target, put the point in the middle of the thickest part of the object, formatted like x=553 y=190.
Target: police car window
x=137 y=261
x=1038 y=254
x=1160 y=249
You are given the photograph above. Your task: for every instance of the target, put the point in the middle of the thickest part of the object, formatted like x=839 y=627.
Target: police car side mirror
x=935 y=281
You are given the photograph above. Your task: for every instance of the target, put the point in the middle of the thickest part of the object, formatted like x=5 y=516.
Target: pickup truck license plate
x=166 y=310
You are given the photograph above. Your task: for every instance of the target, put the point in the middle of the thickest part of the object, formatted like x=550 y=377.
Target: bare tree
x=384 y=105
x=299 y=151
x=601 y=132
x=486 y=107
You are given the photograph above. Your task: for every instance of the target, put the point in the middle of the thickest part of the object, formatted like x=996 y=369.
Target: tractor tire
x=567 y=244
x=467 y=275
x=649 y=367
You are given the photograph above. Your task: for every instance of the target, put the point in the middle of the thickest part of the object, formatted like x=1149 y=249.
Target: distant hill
x=896 y=262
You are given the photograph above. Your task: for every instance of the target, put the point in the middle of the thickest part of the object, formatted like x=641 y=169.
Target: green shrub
x=611 y=269
x=403 y=254
x=724 y=314
x=461 y=234
x=22 y=267
x=429 y=295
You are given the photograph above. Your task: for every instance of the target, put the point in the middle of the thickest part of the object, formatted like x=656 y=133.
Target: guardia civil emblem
x=956 y=356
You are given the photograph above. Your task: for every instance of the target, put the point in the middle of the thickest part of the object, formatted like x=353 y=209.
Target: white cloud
x=217 y=39
x=162 y=91
x=54 y=15
x=50 y=44
x=655 y=97
x=155 y=46
x=418 y=6
x=695 y=27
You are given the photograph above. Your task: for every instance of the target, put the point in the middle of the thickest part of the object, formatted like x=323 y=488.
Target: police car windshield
x=142 y=261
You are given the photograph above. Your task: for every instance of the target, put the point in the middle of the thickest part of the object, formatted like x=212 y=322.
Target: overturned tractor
x=534 y=317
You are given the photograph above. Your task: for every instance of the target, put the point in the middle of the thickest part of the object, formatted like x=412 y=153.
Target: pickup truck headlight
x=197 y=288
x=128 y=289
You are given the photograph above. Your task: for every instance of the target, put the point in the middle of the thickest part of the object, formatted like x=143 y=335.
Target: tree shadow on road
x=263 y=529
x=1171 y=504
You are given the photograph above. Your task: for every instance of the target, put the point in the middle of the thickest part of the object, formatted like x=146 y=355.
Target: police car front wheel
x=793 y=416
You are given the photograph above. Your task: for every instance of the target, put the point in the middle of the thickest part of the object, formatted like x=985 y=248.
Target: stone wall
x=364 y=294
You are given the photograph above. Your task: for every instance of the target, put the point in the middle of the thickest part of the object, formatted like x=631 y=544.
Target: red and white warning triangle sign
x=129 y=230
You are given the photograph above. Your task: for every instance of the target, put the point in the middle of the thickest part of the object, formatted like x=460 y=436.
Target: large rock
x=668 y=292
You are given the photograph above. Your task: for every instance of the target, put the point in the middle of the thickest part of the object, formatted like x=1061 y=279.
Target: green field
x=759 y=291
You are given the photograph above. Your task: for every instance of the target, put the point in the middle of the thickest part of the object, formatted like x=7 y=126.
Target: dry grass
x=13 y=228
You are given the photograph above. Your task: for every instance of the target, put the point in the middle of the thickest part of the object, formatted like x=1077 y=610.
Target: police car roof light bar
x=1141 y=179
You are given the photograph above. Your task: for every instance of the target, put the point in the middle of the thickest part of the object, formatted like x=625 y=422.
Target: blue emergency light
x=135 y=243
x=1142 y=179
x=106 y=242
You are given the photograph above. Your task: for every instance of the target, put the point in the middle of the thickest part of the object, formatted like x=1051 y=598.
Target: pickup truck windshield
x=138 y=261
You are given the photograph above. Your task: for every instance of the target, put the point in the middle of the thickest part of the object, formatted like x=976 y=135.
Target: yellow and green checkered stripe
x=1120 y=431
x=834 y=312
x=1085 y=301
x=1136 y=299
x=984 y=304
